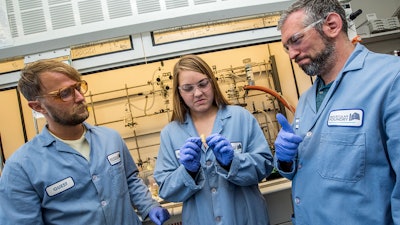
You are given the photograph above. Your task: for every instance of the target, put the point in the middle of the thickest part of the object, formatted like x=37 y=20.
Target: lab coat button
x=297 y=200
x=103 y=203
x=299 y=166
x=213 y=190
x=208 y=162
x=94 y=177
x=309 y=134
x=218 y=218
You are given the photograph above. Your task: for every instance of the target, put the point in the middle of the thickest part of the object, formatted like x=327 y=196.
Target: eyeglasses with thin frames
x=295 y=40
x=68 y=93
x=202 y=85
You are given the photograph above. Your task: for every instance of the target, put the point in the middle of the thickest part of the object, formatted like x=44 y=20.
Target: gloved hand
x=221 y=147
x=190 y=153
x=287 y=142
x=159 y=215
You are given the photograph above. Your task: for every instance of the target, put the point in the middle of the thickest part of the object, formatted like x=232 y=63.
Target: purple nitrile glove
x=287 y=141
x=190 y=153
x=159 y=215
x=222 y=148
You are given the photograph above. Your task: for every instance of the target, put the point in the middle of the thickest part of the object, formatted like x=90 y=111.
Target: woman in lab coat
x=212 y=155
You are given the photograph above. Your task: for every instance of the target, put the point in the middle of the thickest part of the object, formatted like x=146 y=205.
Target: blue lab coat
x=48 y=182
x=348 y=166
x=217 y=196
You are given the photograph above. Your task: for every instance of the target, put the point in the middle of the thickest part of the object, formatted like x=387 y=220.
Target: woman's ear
x=333 y=25
x=37 y=106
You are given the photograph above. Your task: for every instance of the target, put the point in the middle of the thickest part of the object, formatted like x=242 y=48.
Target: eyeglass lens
x=68 y=93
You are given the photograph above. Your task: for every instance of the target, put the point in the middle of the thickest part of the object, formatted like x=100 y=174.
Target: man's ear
x=333 y=25
x=37 y=106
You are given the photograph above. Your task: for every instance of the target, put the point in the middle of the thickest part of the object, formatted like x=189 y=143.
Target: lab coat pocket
x=117 y=175
x=342 y=156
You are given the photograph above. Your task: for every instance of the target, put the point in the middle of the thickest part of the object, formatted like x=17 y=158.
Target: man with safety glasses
x=342 y=149
x=72 y=172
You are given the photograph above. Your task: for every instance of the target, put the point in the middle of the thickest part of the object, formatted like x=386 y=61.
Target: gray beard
x=321 y=62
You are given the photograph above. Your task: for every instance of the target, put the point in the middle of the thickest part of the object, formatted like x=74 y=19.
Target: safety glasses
x=296 y=39
x=202 y=85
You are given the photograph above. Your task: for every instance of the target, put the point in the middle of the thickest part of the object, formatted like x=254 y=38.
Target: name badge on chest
x=237 y=147
x=114 y=158
x=346 y=118
x=60 y=186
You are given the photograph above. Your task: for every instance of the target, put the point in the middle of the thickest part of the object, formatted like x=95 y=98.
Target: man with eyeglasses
x=72 y=172
x=342 y=149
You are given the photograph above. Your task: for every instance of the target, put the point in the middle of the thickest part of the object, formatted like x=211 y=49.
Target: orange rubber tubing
x=273 y=93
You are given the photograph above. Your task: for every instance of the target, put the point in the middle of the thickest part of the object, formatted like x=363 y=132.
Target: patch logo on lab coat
x=114 y=158
x=346 y=118
x=60 y=186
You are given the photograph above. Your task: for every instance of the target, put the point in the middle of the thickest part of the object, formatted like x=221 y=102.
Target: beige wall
x=11 y=132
